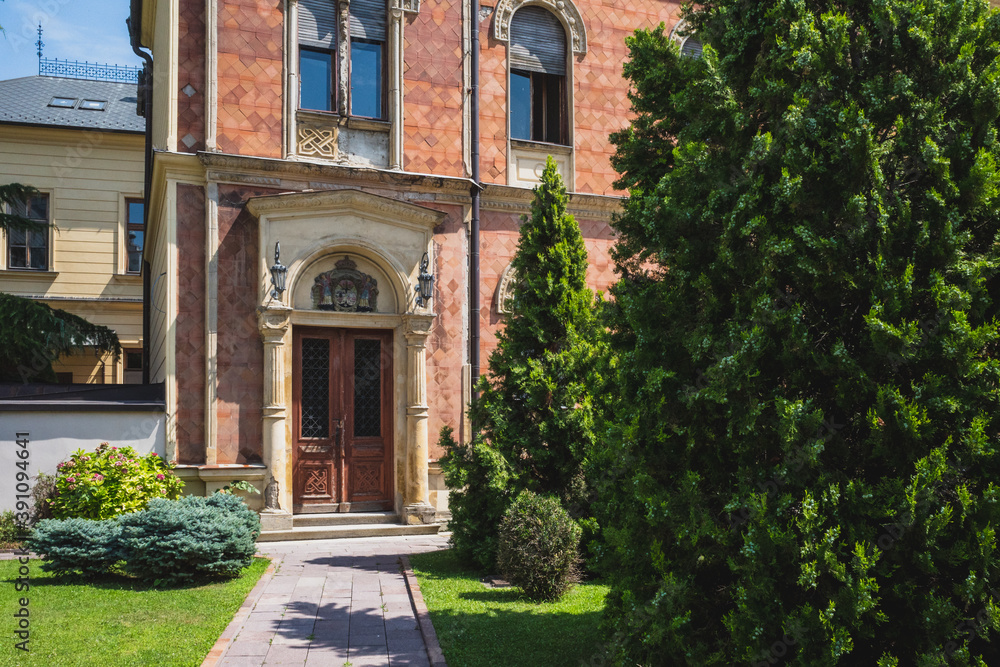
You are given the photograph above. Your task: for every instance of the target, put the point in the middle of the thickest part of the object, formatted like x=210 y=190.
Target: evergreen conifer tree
x=534 y=418
x=804 y=462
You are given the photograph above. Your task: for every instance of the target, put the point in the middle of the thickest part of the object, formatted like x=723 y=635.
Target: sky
x=85 y=30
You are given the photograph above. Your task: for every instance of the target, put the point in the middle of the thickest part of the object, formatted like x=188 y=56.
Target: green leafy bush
x=111 y=481
x=76 y=545
x=11 y=530
x=539 y=547
x=178 y=540
x=479 y=478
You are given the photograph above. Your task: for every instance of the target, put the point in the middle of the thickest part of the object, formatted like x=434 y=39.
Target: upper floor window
x=319 y=57
x=538 y=76
x=29 y=249
x=135 y=232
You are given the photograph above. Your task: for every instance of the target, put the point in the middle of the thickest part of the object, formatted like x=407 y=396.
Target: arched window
x=538 y=76
x=689 y=44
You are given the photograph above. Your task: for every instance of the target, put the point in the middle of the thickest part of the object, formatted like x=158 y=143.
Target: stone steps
x=345 y=525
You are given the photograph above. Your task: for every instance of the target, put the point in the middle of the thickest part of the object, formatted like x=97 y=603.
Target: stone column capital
x=417 y=327
x=273 y=322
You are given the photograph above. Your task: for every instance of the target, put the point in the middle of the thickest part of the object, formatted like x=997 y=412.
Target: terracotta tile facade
x=191 y=77
x=240 y=350
x=432 y=90
x=190 y=339
x=492 y=107
x=250 y=77
x=446 y=347
x=599 y=94
x=599 y=89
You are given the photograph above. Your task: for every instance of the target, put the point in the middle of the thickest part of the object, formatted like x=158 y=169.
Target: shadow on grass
x=481 y=627
x=116 y=579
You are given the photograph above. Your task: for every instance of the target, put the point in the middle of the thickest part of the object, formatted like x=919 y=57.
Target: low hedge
x=171 y=541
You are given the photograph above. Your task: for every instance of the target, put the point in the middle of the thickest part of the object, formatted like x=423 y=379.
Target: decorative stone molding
x=564 y=9
x=317 y=141
x=292 y=175
x=518 y=200
x=410 y=6
x=505 y=290
x=403 y=213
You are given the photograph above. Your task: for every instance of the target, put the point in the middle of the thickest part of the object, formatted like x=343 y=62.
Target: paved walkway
x=334 y=601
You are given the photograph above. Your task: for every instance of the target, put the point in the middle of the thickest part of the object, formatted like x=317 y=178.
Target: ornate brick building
x=351 y=133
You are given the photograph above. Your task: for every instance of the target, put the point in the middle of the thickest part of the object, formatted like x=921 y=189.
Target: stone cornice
x=580 y=205
x=345 y=200
x=292 y=174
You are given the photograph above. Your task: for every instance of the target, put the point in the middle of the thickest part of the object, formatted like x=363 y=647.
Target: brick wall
x=190 y=338
x=250 y=77
x=191 y=72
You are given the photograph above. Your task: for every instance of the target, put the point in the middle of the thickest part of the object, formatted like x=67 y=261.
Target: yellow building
x=80 y=143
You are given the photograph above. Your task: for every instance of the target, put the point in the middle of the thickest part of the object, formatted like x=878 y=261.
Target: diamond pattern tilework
x=492 y=107
x=432 y=90
x=599 y=94
x=240 y=351
x=447 y=343
x=191 y=75
x=190 y=339
x=250 y=71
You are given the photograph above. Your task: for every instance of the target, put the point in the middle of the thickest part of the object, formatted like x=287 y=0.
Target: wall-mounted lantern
x=425 y=283
x=278 y=273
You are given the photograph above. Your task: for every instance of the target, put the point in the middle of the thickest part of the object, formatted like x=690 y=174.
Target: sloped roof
x=26 y=101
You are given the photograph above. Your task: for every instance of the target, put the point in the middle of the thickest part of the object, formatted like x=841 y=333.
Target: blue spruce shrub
x=87 y=546
x=173 y=541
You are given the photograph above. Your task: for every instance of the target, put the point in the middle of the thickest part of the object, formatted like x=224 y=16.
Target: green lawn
x=116 y=621
x=484 y=626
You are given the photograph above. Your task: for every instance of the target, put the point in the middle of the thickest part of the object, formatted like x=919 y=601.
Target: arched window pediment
x=564 y=9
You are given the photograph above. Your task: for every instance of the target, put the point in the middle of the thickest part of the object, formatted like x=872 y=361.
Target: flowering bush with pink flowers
x=111 y=481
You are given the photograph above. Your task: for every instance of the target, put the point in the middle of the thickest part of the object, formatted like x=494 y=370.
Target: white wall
x=54 y=436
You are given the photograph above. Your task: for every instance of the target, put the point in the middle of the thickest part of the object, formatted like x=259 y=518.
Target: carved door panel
x=342 y=420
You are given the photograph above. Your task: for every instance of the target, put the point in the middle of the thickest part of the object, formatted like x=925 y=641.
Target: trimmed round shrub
x=539 y=547
x=76 y=545
x=111 y=481
x=174 y=541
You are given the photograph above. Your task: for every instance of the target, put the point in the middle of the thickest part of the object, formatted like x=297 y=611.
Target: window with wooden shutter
x=537 y=76
x=317 y=34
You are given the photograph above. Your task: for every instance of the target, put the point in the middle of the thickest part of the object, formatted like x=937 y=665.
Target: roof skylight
x=94 y=105
x=63 y=102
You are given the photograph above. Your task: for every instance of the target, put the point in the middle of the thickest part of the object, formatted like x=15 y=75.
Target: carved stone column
x=273 y=322
x=416 y=508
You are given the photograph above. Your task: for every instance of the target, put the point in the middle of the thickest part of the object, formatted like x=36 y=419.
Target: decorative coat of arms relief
x=345 y=289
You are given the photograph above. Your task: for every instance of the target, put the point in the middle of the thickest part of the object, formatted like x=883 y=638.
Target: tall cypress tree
x=535 y=414
x=805 y=456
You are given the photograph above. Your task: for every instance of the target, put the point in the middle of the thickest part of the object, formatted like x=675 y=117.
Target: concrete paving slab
x=333 y=601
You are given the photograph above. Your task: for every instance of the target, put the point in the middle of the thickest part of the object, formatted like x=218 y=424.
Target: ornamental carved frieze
x=505 y=290
x=345 y=289
x=564 y=9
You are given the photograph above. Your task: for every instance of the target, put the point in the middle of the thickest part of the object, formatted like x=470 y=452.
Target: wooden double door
x=342 y=424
